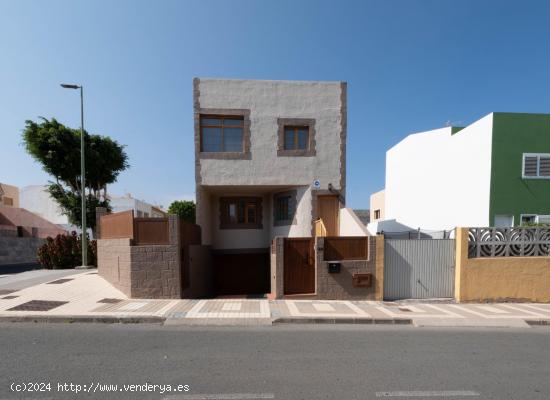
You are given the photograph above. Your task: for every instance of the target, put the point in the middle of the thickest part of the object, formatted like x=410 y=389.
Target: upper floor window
x=8 y=201
x=221 y=133
x=376 y=214
x=240 y=213
x=296 y=138
x=536 y=165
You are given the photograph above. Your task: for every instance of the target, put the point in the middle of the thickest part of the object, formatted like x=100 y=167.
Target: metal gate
x=419 y=269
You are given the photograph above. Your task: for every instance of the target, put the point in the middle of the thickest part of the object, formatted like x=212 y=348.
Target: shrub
x=65 y=252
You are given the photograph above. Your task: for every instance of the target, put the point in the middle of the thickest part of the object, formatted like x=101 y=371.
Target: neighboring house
x=141 y=208
x=494 y=172
x=377 y=206
x=363 y=215
x=37 y=200
x=270 y=161
x=9 y=195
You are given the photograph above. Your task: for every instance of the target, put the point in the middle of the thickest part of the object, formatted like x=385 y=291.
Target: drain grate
x=9 y=297
x=59 y=281
x=7 y=291
x=110 y=301
x=38 y=305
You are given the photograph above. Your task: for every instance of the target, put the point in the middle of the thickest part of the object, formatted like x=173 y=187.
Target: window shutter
x=530 y=166
x=544 y=166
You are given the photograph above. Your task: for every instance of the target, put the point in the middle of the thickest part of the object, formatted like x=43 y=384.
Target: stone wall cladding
x=16 y=250
x=338 y=286
x=114 y=263
x=146 y=272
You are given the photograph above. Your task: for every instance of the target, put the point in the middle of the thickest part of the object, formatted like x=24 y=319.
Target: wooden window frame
x=292 y=205
x=295 y=139
x=225 y=222
x=222 y=127
x=284 y=123
x=377 y=214
x=223 y=155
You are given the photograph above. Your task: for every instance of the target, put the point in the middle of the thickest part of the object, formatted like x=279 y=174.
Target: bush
x=65 y=252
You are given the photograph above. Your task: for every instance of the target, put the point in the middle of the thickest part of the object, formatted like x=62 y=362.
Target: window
x=8 y=201
x=527 y=219
x=536 y=166
x=221 y=133
x=376 y=214
x=296 y=137
x=240 y=213
x=284 y=207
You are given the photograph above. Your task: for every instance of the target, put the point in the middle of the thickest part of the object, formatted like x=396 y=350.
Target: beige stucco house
x=9 y=195
x=270 y=161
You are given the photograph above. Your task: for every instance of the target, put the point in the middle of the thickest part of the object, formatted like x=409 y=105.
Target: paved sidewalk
x=88 y=297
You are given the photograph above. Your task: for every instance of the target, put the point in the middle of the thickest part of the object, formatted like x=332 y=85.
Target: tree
x=57 y=148
x=184 y=209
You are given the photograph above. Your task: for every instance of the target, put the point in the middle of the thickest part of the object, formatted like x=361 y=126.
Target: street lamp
x=84 y=241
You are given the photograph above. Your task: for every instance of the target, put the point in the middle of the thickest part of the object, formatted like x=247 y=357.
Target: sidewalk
x=87 y=297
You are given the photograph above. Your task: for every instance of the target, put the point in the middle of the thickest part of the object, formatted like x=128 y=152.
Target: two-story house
x=270 y=161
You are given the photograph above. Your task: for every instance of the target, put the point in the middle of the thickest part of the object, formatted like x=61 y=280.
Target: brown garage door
x=242 y=273
x=299 y=266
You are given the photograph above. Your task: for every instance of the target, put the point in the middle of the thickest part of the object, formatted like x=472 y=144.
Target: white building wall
x=435 y=180
x=350 y=224
x=302 y=227
x=37 y=200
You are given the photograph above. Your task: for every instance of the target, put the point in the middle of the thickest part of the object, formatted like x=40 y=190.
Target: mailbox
x=361 y=280
x=333 y=267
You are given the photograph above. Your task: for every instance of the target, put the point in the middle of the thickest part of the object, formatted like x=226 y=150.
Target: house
x=9 y=195
x=493 y=172
x=140 y=207
x=270 y=160
x=377 y=206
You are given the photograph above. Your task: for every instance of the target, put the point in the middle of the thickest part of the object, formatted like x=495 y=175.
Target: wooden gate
x=299 y=266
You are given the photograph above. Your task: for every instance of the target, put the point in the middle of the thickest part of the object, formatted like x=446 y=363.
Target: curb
x=69 y=319
x=358 y=321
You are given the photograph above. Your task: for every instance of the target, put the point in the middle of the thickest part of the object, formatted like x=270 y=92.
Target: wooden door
x=299 y=266
x=328 y=208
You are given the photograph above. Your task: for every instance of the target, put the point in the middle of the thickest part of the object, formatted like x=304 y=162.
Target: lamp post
x=84 y=240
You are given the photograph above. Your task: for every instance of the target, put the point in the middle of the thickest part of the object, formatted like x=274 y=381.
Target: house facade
x=9 y=195
x=494 y=172
x=270 y=161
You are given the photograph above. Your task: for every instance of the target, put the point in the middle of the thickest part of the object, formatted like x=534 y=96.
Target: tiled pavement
x=87 y=295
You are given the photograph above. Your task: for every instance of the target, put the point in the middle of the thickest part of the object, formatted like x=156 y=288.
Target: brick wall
x=17 y=250
x=333 y=286
x=338 y=286
x=146 y=272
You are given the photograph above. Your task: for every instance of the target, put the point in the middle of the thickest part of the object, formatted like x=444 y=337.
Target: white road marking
x=132 y=306
x=323 y=307
x=429 y=393
x=492 y=309
x=523 y=310
x=221 y=396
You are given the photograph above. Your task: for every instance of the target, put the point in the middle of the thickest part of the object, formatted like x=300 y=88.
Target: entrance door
x=329 y=207
x=299 y=266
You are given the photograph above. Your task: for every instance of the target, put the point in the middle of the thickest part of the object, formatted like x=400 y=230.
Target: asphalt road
x=280 y=362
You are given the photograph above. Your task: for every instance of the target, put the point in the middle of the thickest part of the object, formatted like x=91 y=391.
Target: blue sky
x=410 y=66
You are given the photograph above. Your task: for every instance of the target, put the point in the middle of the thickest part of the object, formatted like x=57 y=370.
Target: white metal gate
x=419 y=268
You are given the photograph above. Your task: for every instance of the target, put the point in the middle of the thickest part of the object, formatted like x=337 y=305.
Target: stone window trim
x=224 y=224
x=281 y=123
x=228 y=155
x=293 y=204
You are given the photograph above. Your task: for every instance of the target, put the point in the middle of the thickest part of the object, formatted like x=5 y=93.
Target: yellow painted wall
x=499 y=278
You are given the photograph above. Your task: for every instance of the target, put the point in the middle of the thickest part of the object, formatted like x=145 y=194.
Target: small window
x=528 y=219
x=240 y=213
x=296 y=138
x=536 y=166
x=221 y=133
x=284 y=208
x=8 y=201
x=376 y=214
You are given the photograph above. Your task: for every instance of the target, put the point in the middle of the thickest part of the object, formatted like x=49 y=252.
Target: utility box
x=361 y=280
